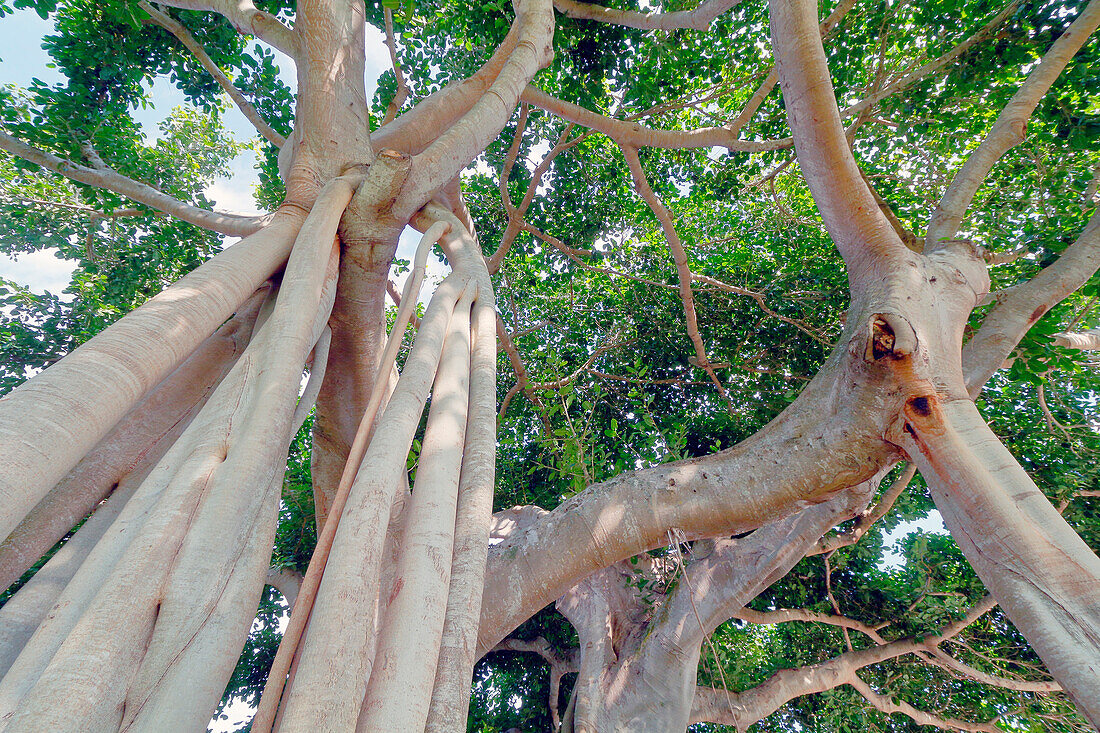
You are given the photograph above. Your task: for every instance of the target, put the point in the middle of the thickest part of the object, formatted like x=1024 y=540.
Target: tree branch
x=1019 y=307
x=402 y=92
x=233 y=225
x=248 y=20
x=887 y=704
x=1084 y=340
x=698 y=18
x=1010 y=128
x=679 y=256
x=636 y=135
x=851 y=214
x=184 y=36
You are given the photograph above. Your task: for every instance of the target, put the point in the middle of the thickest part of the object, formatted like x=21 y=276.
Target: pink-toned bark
x=133 y=447
x=48 y=424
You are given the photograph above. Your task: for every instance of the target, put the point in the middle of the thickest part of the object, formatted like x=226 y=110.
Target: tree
x=705 y=584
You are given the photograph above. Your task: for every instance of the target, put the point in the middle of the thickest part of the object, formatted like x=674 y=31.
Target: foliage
x=747 y=221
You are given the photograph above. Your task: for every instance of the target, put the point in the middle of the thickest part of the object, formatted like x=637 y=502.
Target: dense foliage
x=589 y=289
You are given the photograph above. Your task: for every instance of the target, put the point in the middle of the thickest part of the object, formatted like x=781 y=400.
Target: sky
x=22 y=59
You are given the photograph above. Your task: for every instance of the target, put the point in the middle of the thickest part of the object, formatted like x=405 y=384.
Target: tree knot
x=890 y=336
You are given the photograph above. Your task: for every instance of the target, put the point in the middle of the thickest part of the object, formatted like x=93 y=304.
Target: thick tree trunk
x=48 y=424
x=1042 y=573
x=134 y=446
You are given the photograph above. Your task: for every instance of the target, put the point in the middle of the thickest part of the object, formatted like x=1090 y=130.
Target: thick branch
x=452 y=151
x=853 y=218
x=247 y=19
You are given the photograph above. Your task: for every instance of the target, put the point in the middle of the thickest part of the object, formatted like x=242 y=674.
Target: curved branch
x=753 y=105
x=452 y=151
x=1021 y=306
x=402 y=92
x=1011 y=126
x=233 y=225
x=184 y=36
x=636 y=135
x=887 y=704
x=248 y=20
x=851 y=215
x=679 y=256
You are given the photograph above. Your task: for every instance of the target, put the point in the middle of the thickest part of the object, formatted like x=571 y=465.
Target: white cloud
x=40 y=271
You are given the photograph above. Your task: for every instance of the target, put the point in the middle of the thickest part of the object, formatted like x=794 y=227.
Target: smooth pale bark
x=639 y=644
x=246 y=18
x=826 y=440
x=1041 y=572
x=184 y=36
x=368 y=239
x=21 y=615
x=134 y=446
x=401 y=682
x=51 y=422
x=413 y=131
x=129 y=641
x=332 y=671
x=337 y=650
x=451 y=696
x=330 y=57
x=1084 y=340
x=916 y=318
x=698 y=18
x=849 y=210
x=100 y=176
x=268 y=707
x=455 y=148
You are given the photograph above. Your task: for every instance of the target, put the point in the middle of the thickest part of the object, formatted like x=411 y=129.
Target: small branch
x=1021 y=306
x=184 y=36
x=523 y=377
x=698 y=19
x=936 y=64
x=636 y=135
x=759 y=298
x=867 y=518
x=758 y=702
x=402 y=92
x=233 y=225
x=942 y=659
x=1010 y=128
x=516 y=213
x=679 y=256
x=785 y=615
x=886 y=704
